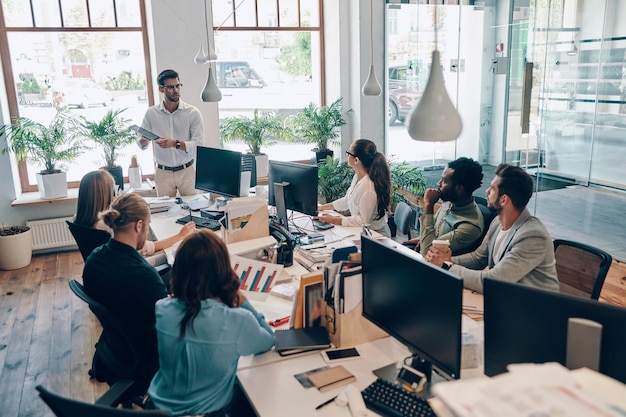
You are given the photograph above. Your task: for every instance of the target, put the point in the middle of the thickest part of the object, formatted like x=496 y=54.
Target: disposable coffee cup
x=441 y=245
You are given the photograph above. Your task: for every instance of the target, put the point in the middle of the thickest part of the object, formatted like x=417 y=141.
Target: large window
x=270 y=57
x=87 y=55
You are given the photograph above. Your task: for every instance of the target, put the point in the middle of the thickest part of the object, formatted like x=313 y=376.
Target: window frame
x=9 y=79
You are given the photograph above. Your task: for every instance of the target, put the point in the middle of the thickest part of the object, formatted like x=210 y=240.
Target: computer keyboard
x=200 y=222
x=391 y=400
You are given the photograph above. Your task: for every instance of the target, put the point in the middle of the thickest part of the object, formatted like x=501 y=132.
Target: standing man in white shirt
x=180 y=130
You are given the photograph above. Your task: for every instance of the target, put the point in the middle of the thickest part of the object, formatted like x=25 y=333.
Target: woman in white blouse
x=369 y=194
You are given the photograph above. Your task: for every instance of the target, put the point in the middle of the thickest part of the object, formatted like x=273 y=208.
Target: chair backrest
x=115 y=349
x=87 y=238
x=581 y=268
x=404 y=217
x=488 y=216
x=66 y=407
x=248 y=163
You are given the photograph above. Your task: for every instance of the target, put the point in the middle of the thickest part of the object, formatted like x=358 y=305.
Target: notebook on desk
x=292 y=341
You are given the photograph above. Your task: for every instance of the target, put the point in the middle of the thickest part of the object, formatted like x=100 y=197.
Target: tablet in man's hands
x=144 y=132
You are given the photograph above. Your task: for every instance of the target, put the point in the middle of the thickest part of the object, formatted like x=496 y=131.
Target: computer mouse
x=179 y=200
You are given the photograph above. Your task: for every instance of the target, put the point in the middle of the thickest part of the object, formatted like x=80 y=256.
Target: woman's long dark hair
x=202 y=270
x=378 y=170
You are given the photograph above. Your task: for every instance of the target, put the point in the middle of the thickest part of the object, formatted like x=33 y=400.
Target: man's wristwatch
x=177 y=144
x=446 y=265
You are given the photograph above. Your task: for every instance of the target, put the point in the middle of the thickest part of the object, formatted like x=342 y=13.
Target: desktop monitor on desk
x=415 y=302
x=292 y=186
x=218 y=171
x=529 y=325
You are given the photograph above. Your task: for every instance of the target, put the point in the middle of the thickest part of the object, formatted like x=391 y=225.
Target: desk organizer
x=351 y=328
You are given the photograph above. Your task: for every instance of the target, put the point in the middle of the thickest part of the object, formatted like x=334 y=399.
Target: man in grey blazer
x=517 y=247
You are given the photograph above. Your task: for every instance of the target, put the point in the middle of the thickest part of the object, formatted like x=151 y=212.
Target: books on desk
x=329 y=378
x=159 y=204
x=292 y=341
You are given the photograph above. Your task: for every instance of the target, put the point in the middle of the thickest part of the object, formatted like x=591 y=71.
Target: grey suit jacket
x=527 y=258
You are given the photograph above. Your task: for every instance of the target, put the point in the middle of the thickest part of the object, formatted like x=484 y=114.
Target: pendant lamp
x=371 y=86
x=211 y=93
x=201 y=57
x=435 y=119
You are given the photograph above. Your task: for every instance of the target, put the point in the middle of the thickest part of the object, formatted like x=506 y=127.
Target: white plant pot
x=262 y=162
x=16 y=251
x=52 y=185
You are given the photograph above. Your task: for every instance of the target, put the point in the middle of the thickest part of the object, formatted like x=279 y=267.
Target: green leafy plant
x=318 y=125
x=405 y=178
x=111 y=133
x=48 y=145
x=334 y=178
x=256 y=132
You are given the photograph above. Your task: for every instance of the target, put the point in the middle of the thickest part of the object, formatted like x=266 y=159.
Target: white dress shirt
x=362 y=201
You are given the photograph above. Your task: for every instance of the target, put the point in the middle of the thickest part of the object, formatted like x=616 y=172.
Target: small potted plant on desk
x=47 y=145
x=319 y=125
x=111 y=133
x=256 y=132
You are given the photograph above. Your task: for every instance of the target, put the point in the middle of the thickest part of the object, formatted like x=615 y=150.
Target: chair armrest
x=112 y=397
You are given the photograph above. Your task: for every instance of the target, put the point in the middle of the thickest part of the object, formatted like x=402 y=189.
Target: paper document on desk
x=526 y=390
x=255 y=276
x=473 y=302
x=240 y=210
x=157 y=202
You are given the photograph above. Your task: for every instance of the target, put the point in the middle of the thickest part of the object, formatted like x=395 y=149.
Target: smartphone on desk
x=336 y=355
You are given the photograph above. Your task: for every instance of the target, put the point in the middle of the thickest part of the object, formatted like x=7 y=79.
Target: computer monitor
x=415 y=302
x=529 y=325
x=218 y=171
x=299 y=186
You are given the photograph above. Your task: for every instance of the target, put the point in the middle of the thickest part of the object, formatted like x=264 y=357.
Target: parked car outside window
x=404 y=92
x=79 y=92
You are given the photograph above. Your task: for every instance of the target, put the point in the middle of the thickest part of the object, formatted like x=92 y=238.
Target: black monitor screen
x=301 y=190
x=218 y=171
x=528 y=325
x=415 y=302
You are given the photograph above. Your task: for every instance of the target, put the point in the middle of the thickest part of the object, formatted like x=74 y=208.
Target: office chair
x=488 y=215
x=248 y=163
x=115 y=357
x=581 y=268
x=103 y=407
x=404 y=217
x=87 y=238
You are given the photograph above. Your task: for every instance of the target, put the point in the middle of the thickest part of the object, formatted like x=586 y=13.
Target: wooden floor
x=47 y=334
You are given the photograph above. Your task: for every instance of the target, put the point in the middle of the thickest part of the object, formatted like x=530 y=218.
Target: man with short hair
x=517 y=247
x=180 y=130
x=458 y=220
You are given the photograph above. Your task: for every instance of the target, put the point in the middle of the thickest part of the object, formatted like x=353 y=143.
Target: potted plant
x=256 y=132
x=334 y=178
x=48 y=145
x=318 y=125
x=407 y=184
x=16 y=247
x=111 y=133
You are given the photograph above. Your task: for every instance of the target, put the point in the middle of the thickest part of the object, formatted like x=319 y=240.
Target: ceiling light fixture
x=210 y=93
x=371 y=86
x=435 y=118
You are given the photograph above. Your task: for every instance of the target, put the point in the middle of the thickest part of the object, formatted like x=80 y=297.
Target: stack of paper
x=158 y=204
x=526 y=390
x=292 y=341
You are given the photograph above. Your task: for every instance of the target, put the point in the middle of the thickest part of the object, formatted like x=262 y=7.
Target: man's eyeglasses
x=172 y=87
x=348 y=153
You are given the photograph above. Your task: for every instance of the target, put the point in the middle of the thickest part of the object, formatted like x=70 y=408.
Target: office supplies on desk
x=200 y=222
x=328 y=401
x=303 y=377
x=292 y=341
x=331 y=378
x=389 y=399
x=256 y=276
x=246 y=219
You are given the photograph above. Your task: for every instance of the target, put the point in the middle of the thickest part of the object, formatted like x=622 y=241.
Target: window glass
x=268 y=16
x=223 y=12
x=46 y=13
x=289 y=13
x=74 y=13
x=101 y=13
x=17 y=13
x=90 y=74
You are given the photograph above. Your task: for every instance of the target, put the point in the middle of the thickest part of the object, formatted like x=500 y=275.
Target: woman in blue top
x=203 y=329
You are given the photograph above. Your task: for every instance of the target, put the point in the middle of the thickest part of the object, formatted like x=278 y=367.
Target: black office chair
x=404 y=218
x=115 y=357
x=248 y=163
x=103 y=407
x=581 y=268
x=87 y=238
x=488 y=215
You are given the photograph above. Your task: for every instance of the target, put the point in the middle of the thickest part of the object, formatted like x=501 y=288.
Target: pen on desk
x=330 y=400
x=278 y=322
